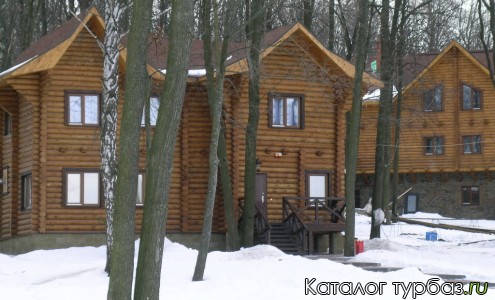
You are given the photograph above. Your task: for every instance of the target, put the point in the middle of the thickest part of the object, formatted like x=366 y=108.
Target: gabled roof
x=45 y=53
x=417 y=66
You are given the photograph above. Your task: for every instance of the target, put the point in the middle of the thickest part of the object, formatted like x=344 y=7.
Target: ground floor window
x=26 y=192
x=81 y=187
x=317 y=185
x=470 y=195
x=140 y=190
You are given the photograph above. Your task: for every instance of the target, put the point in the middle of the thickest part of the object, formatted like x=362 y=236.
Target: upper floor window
x=471 y=144
x=471 y=98
x=154 y=105
x=26 y=192
x=470 y=195
x=7 y=123
x=433 y=145
x=286 y=111
x=82 y=108
x=432 y=99
x=81 y=188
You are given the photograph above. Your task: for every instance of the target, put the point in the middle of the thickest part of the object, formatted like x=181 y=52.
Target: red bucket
x=358 y=246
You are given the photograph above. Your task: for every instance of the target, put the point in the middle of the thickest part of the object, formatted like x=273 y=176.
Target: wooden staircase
x=282 y=238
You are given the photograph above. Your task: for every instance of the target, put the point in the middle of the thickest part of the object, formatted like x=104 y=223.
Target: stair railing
x=292 y=217
x=261 y=224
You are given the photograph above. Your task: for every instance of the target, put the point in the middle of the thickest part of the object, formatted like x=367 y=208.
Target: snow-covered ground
x=263 y=272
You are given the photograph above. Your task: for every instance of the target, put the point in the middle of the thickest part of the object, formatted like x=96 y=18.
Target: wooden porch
x=303 y=219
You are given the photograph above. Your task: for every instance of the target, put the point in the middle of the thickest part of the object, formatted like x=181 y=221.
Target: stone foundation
x=24 y=244
x=441 y=193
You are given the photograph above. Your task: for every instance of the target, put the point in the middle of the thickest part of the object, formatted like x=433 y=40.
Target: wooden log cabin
x=50 y=103
x=447 y=135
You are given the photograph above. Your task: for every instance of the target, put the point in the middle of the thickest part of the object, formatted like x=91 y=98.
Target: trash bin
x=358 y=246
x=431 y=236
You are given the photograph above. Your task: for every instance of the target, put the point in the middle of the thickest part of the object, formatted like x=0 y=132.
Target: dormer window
x=432 y=99
x=286 y=111
x=471 y=98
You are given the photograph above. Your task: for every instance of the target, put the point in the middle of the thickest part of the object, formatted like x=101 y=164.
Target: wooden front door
x=261 y=199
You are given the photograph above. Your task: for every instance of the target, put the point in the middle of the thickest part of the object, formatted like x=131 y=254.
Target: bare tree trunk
x=215 y=54
x=160 y=156
x=108 y=148
x=254 y=34
x=331 y=25
x=137 y=81
x=308 y=11
x=352 y=140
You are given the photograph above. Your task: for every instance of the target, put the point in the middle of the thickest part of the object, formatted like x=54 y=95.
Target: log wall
x=452 y=123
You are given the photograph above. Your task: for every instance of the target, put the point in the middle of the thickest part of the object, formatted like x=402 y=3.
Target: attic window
x=286 y=111
x=82 y=108
x=471 y=98
x=432 y=99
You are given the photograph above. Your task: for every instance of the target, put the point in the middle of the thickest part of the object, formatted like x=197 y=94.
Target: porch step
x=283 y=239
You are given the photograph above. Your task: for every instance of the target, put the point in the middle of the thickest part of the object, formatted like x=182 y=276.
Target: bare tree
x=161 y=152
x=354 y=120
x=255 y=12
x=137 y=81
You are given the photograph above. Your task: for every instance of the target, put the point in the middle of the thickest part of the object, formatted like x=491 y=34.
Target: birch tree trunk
x=161 y=152
x=108 y=147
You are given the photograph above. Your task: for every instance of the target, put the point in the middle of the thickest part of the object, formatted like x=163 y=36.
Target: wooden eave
x=49 y=59
x=439 y=57
x=348 y=68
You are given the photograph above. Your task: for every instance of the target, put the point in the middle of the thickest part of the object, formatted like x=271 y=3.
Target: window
x=317 y=186
x=470 y=195
x=81 y=188
x=7 y=123
x=471 y=144
x=26 y=195
x=433 y=145
x=432 y=100
x=286 y=111
x=471 y=98
x=82 y=108
x=154 y=105
x=5 y=180
x=140 y=190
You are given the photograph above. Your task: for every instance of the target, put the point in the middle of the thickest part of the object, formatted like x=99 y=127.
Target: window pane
x=477 y=144
x=73 y=189
x=278 y=112
x=139 y=199
x=154 y=105
x=26 y=192
x=476 y=99
x=75 y=110
x=91 y=110
x=292 y=112
x=438 y=99
x=467 y=144
x=466 y=96
x=428 y=145
x=91 y=188
x=438 y=145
